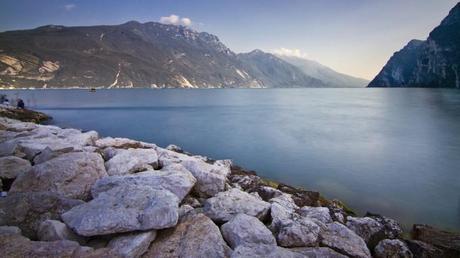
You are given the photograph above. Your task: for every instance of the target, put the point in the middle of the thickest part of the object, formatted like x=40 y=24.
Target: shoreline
x=203 y=186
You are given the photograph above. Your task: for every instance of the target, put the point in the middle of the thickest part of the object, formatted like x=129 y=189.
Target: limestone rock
x=225 y=205
x=195 y=236
x=367 y=228
x=122 y=143
x=132 y=245
x=211 y=178
x=285 y=200
x=264 y=251
x=389 y=248
x=316 y=214
x=12 y=166
x=392 y=228
x=298 y=232
x=243 y=229
x=71 y=174
x=131 y=161
x=53 y=230
x=279 y=215
x=47 y=154
x=184 y=210
x=342 y=239
x=124 y=209
x=10 y=230
x=174 y=178
x=28 y=210
x=318 y=252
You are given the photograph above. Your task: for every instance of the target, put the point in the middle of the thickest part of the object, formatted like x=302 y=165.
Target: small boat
x=92 y=90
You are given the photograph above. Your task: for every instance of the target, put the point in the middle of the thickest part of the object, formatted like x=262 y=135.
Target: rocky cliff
x=434 y=62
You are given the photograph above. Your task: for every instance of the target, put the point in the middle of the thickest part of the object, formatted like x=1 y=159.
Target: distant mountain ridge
x=434 y=62
x=137 y=54
x=328 y=76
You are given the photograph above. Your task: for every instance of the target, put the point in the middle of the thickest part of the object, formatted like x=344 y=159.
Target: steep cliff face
x=431 y=63
x=128 y=55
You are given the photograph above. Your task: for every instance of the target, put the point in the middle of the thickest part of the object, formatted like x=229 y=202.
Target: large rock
x=424 y=250
x=298 y=232
x=318 y=252
x=345 y=241
x=243 y=229
x=124 y=209
x=121 y=143
x=285 y=200
x=12 y=166
x=264 y=251
x=54 y=230
x=279 y=215
x=225 y=205
x=211 y=178
x=71 y=175
x=76 y=137
x=367 y=228
x=320 y=214
x=174 y=178
x=195 y=236
x=131 y=161
x=446 y=240
x=28 y=210
x=389 y=248
x=47 y=154
x=132 y=245
x=392 y=229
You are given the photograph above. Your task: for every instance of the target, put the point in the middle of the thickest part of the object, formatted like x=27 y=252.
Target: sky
x=356 y=37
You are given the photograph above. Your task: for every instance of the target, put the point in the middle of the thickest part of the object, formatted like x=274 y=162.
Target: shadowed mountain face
x=274 y=72
x=431 y=63
x=127 y=55
x=328 y=76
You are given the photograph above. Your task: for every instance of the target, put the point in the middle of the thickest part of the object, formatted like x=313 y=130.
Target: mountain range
x=149 y=54
x=434 y=62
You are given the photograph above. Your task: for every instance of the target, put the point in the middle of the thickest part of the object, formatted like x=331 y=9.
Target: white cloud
x=176 y=20
x=69 y=7
x=290 y=52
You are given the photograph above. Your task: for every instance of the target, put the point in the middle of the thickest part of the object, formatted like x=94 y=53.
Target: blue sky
x=352 y=36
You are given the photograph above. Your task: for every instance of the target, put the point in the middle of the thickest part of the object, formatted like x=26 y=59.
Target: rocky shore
x=68 y=193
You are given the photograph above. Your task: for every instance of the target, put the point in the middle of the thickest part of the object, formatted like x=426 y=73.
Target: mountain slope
x=127 y=55
x=328 y=76
x=274 y=72
x=431 y=63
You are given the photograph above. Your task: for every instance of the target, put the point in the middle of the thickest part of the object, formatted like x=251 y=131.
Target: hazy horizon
x=356 y=38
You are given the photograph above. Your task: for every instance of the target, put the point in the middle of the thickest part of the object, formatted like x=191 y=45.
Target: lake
x=390 y=151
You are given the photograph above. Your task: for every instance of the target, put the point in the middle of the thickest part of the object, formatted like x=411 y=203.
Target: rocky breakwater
x=68 y=193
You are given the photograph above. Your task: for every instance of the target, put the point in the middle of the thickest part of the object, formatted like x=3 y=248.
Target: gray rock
x=225 y=205
x=243 y=229
x=132 y=245
x=76 y=137
x=298 y=232
x=425 y=250
x=124 y=209
x=12 y=166
x=195 y=236
x=28 y=210
x=390 y=248
x=211 y=178
x=367 y=228
x=392 y=228
x=285 y=200
x=342 y=239
x=279 y=215
x=174 y=178
x=47 y=154
x=122 y=143
x=184 y=210
x=131 y=161
x=264 y=251
x=174 y=148
x=316 y=213
x=71 y=174
x=10 y=230
x=318 y=252
x=53 y=230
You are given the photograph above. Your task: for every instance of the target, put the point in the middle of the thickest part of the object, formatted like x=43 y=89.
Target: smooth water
x=389 y=151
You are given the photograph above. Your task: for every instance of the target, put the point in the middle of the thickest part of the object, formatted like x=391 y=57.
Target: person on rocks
x=20 y=104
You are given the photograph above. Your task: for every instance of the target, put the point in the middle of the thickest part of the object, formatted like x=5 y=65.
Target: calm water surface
x=389 y=151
